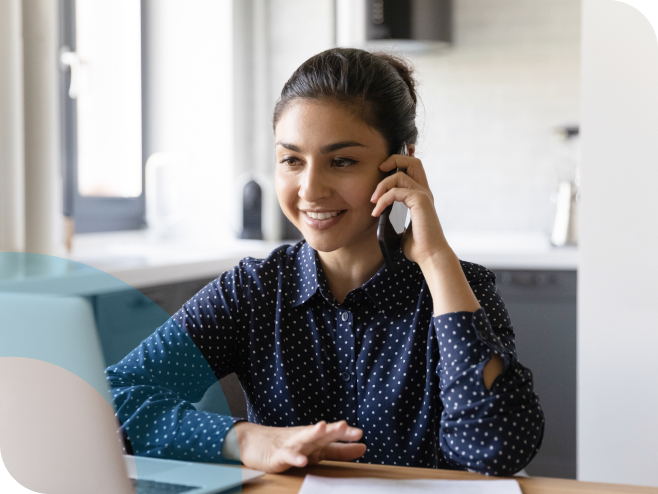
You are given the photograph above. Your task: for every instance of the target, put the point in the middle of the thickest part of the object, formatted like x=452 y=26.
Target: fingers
x=312 y=440
x=327 y=447
x=344 y=451
x=310 y=434
x=308 y=445
x=401 y=181
x=275 y=449
x=340 y=431
x=322 y=434
x=292 y=458
x=412 y=166
x=398 y=180
x=411 y=198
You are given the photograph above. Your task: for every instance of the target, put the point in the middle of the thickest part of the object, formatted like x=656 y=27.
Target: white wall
x=298 y=29
x=618 y=295
x=190 y=106
x=491 y=103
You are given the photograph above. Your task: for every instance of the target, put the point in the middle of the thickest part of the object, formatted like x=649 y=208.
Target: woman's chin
x=322 y=242
x=332 y=241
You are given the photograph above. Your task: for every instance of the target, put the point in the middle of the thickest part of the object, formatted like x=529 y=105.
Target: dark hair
x=379 y=87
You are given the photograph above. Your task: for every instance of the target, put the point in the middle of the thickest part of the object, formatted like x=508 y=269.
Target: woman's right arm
x=155 y=385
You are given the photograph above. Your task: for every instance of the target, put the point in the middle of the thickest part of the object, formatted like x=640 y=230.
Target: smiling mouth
x=325 y=215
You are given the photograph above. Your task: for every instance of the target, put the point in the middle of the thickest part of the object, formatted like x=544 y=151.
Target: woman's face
x=327 y=170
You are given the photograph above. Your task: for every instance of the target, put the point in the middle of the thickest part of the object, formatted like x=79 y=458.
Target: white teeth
x=322 y=216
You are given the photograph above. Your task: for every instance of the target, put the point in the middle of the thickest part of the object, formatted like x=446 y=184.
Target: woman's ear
x=411 y=149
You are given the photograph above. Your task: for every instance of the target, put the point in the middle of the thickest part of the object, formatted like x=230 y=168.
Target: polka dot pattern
x=153 y=389
x=380 y=360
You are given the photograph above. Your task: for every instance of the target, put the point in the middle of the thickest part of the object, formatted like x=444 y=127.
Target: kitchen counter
x=515 y=251
x=142 y=261
x=139 y=260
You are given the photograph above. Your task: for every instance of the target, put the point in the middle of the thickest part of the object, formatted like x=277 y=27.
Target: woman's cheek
x=285 y=193
x=359 y=199
x=359 y=193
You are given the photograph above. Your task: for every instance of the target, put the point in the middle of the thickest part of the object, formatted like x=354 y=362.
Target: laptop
x=58 y=431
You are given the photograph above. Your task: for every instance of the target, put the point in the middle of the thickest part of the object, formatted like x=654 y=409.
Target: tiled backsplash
x=489 y=107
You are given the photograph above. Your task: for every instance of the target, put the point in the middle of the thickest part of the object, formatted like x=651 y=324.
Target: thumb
x=286 y=458
x=344 y=451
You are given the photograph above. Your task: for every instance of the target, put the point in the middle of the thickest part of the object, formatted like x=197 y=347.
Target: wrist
x=447 y=283
x=243 y=431
x=441 y=259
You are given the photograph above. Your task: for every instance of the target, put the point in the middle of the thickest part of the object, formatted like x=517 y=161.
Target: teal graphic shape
x=51 y=310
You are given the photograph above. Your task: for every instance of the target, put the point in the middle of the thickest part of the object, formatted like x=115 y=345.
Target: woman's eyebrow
x=289 y=146
x=339 y=145
x=324 y=149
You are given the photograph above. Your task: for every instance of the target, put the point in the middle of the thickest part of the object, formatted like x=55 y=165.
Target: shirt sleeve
x=496 y=431
x=155 y=385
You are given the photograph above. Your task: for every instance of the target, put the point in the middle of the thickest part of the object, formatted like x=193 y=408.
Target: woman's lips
x=322 y=224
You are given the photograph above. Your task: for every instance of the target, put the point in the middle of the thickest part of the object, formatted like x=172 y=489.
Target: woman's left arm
x=425 y=244
x=492 y=421
x=493 y=429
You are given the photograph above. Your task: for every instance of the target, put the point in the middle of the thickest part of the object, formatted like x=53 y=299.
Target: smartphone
x=391 y=225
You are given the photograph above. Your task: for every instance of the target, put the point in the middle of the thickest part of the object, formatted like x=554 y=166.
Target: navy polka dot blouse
x=380 y=360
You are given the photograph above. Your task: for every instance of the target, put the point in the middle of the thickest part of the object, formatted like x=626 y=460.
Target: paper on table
x=329 y=485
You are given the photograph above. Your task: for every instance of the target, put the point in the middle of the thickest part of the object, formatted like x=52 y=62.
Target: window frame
x=95 y=214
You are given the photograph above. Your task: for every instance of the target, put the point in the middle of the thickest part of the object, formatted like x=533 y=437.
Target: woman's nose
x=315 y=184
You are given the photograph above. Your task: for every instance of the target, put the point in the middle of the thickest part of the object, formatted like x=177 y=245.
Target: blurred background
x=136 y=137
x=191 y=87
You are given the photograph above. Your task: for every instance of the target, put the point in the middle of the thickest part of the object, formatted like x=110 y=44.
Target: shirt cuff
x=463 y=337
x=231 y=448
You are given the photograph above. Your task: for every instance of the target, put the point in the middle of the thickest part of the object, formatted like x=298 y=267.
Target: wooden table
x=291 y=481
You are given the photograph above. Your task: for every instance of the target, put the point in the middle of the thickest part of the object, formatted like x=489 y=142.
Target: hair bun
x=404 y=68
x=378 y=87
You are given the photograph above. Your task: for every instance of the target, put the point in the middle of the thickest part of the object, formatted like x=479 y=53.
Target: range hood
x=405 y=25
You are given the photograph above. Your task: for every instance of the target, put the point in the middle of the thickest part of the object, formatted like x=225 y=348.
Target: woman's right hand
x=275 y=449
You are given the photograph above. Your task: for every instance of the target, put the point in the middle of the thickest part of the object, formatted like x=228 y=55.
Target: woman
x=340 y=358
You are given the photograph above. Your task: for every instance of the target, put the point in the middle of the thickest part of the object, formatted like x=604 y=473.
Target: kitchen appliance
x=402 y=25
x=255 y=212
x=162 y=180
x=252 y=211
x=565 y=226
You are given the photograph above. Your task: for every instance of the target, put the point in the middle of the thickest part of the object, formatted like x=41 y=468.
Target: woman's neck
x=350 y=267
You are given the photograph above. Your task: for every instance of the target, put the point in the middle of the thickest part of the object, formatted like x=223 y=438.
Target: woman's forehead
x=318 y=123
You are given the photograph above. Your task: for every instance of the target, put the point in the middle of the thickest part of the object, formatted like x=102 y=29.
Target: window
x=102 y=105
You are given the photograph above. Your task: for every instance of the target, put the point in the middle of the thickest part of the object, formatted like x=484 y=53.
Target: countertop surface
x=140 y=260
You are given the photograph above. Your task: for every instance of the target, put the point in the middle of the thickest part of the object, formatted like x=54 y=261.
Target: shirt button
x=345 y=316
x=484 y=334
x=345 y=376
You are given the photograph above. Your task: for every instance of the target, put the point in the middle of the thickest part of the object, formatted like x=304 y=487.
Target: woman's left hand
x=424 y=243
x=424 y=238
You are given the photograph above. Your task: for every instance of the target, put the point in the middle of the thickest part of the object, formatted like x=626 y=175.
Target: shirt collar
x=387 y=290
x=304 y=280
x=390 y=290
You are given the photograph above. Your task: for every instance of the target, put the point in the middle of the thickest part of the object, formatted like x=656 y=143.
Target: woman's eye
x=342 y=162
x=289 y=160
